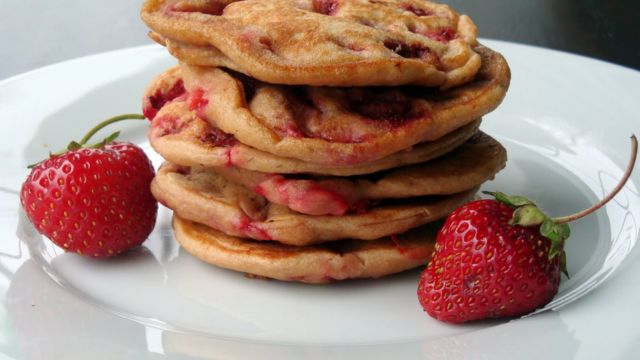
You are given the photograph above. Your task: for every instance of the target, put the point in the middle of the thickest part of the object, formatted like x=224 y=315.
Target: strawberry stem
x=107 y=122
x=75 y=145
x=614 y=192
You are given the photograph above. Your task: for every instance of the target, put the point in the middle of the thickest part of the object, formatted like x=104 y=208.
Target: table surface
x=37 y=33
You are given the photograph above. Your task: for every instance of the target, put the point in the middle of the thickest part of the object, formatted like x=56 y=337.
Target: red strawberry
x=498 y=258
x=94 y=200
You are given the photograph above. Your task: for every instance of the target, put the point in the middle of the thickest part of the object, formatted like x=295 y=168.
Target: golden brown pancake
x=466 y=167
x=338 y=260
x=207 y=198
x=182 y=138
x=322 y=42
x=340 y=126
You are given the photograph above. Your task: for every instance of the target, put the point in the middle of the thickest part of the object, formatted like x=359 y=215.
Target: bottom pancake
x=338 y=260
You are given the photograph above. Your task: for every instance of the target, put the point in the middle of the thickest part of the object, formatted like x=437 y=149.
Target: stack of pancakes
x=319 y=140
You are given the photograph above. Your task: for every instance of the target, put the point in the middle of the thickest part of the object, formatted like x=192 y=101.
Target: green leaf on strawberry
x=527 y=213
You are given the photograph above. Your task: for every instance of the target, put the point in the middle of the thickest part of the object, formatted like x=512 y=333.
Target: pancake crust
x=182 y=138
x=208 y=198
x=466 y=167
x=340 y=126
x=339 y=260
x=322 y=42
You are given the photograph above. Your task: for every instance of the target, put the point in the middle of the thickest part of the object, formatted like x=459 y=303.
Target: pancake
x=162 y=90
x=322 y=42
x=466 y=167
x=340 y=126
x=207 y=198
x=182 y=138
x=338 y=260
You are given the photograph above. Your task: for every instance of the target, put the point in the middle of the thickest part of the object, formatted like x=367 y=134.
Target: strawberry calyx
x=83 y=143
x=526 y=213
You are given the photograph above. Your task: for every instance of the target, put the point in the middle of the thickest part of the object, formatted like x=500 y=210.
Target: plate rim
x=493 y=43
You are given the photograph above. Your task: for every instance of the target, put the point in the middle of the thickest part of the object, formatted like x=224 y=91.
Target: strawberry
x=499 y=257
x=93 y=199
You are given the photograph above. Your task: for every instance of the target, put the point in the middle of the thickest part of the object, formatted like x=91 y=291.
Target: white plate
x=565 y=122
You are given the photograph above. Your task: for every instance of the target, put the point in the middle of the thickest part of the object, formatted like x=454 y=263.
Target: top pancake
x=340 y=126
x=323 y=42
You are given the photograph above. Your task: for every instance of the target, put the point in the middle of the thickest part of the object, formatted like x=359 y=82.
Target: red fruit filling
x=441 y=35
x=209 y=7
x=325 y=7
x=291 y=129
x=266 y=42
x=413 y=52
x=253 y=37
x=415 y=10
x=217 y=138
x=313 y=197
x=362 y=206
x=252 y=230
x=388 y=105
x=406 y=50
x=305 y=196
x=160 y=98
x=149 y=112
x=197 y=101
x=168 y=124
x=183 y=170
